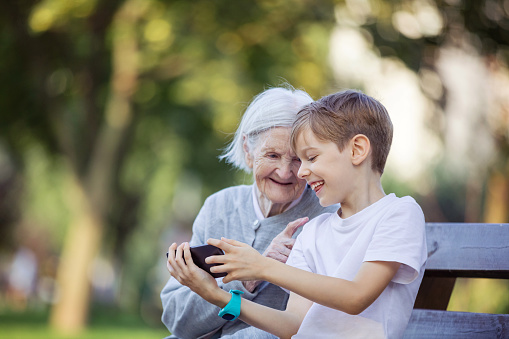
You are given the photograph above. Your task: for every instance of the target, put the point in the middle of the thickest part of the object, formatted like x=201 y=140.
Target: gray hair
x=275 y=107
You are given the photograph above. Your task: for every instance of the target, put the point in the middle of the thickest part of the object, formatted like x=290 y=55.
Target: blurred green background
x=113 y=114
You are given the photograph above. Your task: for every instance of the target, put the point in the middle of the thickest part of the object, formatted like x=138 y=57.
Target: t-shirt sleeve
x=401 y=238
x=297 y=258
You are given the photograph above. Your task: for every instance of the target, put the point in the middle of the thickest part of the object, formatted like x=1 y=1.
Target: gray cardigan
x=230 y=213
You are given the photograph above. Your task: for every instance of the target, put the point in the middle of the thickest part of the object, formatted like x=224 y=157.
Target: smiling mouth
x=281 y=183
x=317 y=185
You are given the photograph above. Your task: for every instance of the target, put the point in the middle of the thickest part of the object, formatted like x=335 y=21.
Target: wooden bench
x=459 y=250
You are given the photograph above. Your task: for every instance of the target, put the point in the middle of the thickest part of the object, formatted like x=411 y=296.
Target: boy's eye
x=311 y=159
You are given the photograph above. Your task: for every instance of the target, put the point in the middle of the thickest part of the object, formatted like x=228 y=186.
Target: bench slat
x=467 y=250
x=460 y=250
x=431 y=324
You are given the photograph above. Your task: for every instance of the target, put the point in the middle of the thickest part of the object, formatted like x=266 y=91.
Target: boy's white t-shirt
x=391 y=229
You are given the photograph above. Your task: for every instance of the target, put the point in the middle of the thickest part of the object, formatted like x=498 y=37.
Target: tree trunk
x=80 y=248
x=93 y=193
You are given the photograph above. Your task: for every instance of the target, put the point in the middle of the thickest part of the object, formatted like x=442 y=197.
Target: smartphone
x=199 y=253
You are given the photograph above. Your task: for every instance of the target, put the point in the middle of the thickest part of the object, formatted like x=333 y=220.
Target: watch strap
x=232 y=310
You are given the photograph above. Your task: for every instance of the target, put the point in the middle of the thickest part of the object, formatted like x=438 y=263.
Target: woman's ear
x=247 y=154
x=360 y=148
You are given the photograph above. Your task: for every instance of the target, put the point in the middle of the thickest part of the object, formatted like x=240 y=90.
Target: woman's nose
x=285 y=170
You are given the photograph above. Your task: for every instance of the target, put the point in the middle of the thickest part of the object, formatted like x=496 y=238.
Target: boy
x=352 y=274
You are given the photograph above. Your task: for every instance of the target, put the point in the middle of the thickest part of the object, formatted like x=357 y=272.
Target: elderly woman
x=264 y=215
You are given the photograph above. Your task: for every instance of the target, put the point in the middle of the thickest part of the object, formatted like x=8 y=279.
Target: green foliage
x=198 y=64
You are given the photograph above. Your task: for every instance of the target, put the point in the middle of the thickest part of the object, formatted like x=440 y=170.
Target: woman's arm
x=283 y=324
x=242 y=262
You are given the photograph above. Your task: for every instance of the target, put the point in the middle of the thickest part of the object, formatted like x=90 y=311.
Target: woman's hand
x=181 y=266
x=281 y=246
x=240 y=261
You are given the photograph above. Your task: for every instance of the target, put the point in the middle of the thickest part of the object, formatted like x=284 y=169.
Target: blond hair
x=339 y=117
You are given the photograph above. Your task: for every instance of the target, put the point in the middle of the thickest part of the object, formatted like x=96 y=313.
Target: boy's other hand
x=181 y=267
x=240 y=261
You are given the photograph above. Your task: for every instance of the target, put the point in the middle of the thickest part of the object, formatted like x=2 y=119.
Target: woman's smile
x=275 y=168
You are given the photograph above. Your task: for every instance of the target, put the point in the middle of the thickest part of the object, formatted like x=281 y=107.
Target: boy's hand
x=181 y=266
x=240 y=261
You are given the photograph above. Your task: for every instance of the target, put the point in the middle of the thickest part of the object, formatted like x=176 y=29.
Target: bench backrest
x=460 y=250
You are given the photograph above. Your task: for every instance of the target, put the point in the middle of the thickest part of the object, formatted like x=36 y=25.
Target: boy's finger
x=225 y=246
x=218 y=269
x=187 y=255
x=233 y=242
x=226 y=280
x=170 y=263
x=215 y=259
x=217 y=243
x=171 y=251
x=179 y=256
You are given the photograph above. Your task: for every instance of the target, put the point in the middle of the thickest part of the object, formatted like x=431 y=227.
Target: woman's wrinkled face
x=275 y=166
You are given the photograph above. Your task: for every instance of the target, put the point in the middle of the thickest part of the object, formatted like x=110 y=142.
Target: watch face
x=228 y=316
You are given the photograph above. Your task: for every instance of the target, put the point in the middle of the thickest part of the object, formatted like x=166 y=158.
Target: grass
x=104 y=324
x=43 y=332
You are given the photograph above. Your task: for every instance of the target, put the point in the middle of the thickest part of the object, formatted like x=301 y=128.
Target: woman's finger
x=278 y=256
x=292 y=227
x=284 y=251
x=278 y=252
x=289 y=243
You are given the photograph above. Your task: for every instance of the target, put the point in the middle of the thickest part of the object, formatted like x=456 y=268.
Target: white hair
x=275 y=107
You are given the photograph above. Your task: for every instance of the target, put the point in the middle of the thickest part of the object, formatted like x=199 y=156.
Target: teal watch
x=232 y=310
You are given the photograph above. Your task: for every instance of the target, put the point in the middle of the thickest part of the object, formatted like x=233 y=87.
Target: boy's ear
x=247 y=155
x=360 y=148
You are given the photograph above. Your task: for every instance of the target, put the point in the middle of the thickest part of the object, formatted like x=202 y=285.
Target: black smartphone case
x=199 y=253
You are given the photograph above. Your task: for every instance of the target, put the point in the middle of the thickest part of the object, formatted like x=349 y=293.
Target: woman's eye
x=273 y=156
x=296 y=159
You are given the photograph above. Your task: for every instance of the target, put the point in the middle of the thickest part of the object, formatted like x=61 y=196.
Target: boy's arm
x=283 y=324
x=352 y=297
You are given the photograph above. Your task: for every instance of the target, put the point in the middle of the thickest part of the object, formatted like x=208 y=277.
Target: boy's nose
x=303 y=171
